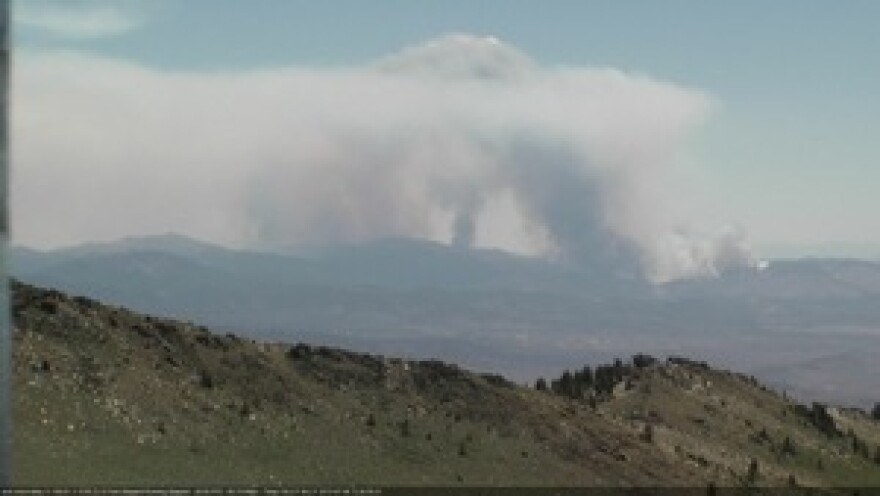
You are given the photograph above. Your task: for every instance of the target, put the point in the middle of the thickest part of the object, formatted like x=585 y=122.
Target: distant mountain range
x=182 y=277
x=484 y=308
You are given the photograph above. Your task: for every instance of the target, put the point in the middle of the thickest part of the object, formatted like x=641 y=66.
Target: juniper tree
x=205 y=380
x=618 y=370
x=752 y=474
x=788 y=446
x=712 y=489
x=587 y=377
x=566 y=384
x=648 y=433
x=641 y=360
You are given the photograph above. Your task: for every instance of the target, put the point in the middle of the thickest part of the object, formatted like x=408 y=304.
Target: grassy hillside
x=107 y=396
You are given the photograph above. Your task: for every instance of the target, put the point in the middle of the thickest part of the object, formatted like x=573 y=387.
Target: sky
x=761 y=116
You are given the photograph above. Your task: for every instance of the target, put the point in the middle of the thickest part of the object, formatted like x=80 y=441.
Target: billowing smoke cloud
x=463 y=140
x=464 y=231
x=685 y=254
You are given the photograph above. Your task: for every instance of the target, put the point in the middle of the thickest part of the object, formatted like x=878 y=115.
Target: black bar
x=5 y=335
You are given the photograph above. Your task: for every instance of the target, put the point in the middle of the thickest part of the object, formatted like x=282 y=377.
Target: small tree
x=618 y=370
x=541 y=384
x=205 y=380
x=752 y=474
x=865 y=450
x=641 y=360
x=788 y=446
x=859 y=446
x=823 y=421
x=566 y=384
x=648 y=433
x=712 y=489
x=604 y=379
x=875 y=413
x=587 y=377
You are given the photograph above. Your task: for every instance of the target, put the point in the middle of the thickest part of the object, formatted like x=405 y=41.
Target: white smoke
x=463 y=140
x=686 y=254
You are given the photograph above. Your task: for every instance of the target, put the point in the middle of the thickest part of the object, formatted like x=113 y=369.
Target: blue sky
x=788 y=152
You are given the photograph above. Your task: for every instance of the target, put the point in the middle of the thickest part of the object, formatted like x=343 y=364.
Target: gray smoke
x=464 y=231
x=463 y=140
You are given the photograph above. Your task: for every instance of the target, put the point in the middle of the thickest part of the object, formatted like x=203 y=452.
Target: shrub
x=822 y=420
x=752 y=474
x=641 y=360
x=762 y=436
x=648 y=433
x=205 y=380
x=711 y=489
x=788 y=446
x=48 y=306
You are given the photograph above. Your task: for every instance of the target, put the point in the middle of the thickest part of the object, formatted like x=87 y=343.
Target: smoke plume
x=463 y=140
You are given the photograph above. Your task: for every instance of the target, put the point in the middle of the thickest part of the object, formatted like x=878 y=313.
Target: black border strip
x=440 y=491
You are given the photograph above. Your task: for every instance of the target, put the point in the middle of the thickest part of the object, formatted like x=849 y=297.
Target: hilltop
x=105 y=395
x=807 y=325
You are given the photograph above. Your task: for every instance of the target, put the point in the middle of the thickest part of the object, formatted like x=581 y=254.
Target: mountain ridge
x=104 y=395
x=428 y=299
